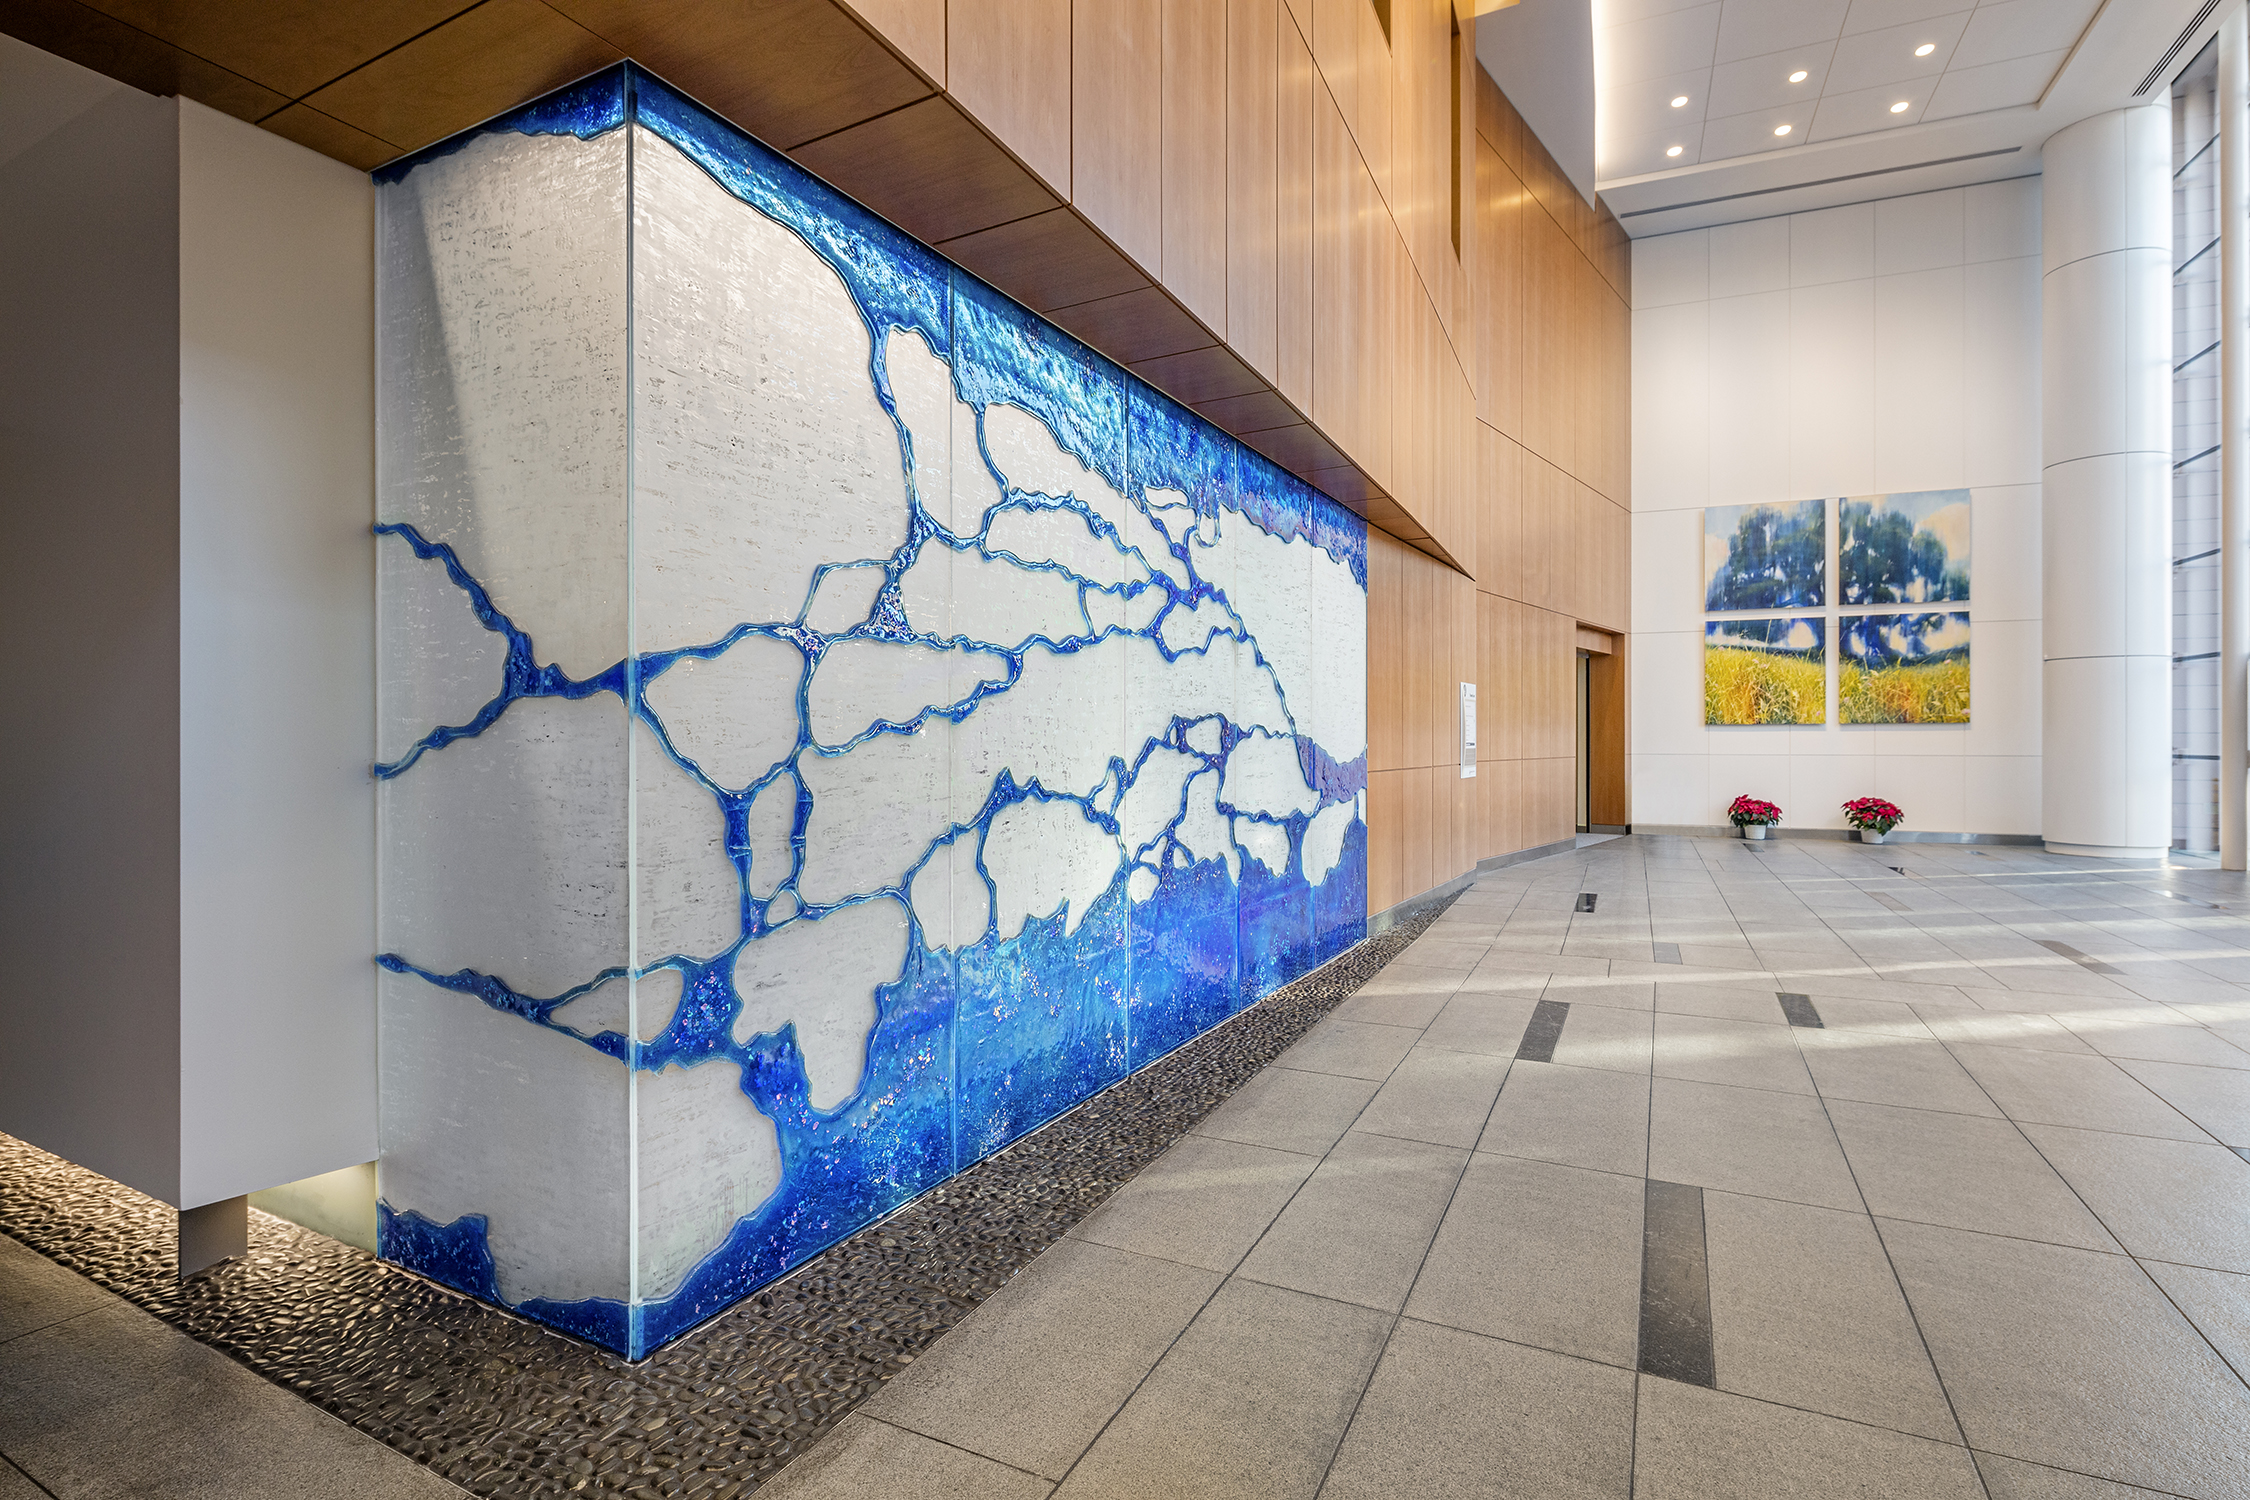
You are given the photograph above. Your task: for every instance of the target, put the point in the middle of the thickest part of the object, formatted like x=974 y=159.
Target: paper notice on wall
x=1468 y=729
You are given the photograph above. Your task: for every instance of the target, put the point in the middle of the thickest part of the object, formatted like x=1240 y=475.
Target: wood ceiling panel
x=1200 y=375
x=787 y=71
x=1046 y=261
x=85 y=36
x=290 y=46
x=468 y=70
x=1259 y=411
x=1138 y=326
x=928 y=169
x=331 y=137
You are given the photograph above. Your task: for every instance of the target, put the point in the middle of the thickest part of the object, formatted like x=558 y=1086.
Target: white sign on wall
x=1468 y=730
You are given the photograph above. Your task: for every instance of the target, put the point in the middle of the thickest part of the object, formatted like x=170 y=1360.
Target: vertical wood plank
x=1117 y=122
x=1195 y=158
x=917 y=28
x=1008 y=65
x=1386 y=839
x=1293 y=287
x=1253 y=183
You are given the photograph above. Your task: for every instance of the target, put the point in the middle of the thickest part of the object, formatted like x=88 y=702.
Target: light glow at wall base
x=831 y=721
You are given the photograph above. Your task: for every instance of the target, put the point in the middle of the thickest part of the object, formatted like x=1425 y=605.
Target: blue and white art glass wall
x=831 y=721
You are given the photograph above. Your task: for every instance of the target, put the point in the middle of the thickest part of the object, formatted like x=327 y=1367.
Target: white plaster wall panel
x=2004 y=790
x=1820 y=785
x=1671 y=790
x=707 y=1159
x=753 y=397
x=1744 y=760
x=2104 y=549
x=1918 y=380
x=476 y=287
x=548 y=1116
x=1672 y=268
x=2114 y=173
x=2005 y=543
x=1748 y=258
x=526 y=825
x=1930 y=787
x=1668 y=692
x=1831 y=389
x=1672 y=401
x=2000 y=378
x=2095 y=797
x=820 y=973
x=860 y=683
x=687 y=896
x=2120 y=305
x=1666 y=597
x=1749 y=381
x=886 y=793
x=1832 y=244
x=2000 y=220
x=448 y=665
x=718 y=710
x=2004 y=679
x=1920 y=233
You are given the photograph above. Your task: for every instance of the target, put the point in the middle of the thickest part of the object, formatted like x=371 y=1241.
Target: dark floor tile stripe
x=1586 y=900
x=1890 y=900
x=1799 y=1010
x=1675 y=1287
x=1545 y=1030
x=2091 y=965
x=1666 y=953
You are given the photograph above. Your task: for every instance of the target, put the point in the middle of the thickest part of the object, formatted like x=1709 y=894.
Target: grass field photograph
x=1903 y=669
x=1765 y=671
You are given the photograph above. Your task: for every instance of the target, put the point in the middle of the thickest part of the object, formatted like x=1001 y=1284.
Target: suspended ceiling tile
x=1677 y=41
x=1875 y=15
x=2022 y=28
x=92 y=40
x=830 y=73
x=1747 y=135
x=1752 y=28
x=1969 y=91
x=1641 y=154
x=1875 y=58
x=291 y=46
x=1865 y=110
x=1645 y=108
x=466 y=71
x=1763 y=82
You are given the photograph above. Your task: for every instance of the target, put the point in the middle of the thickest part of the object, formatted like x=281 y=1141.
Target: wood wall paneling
x=1007 y=63
x=919 y=30
x=1253 y=183
x=1299 y=88
x=1117 y=123
x=1195 y=158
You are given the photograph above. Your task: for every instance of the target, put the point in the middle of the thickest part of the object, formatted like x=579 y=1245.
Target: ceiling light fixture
x=1925 y=49
x=1672 y=151
x=1899 y=108
x=1799 y=76
x=1781 y=130
x=1679 y=102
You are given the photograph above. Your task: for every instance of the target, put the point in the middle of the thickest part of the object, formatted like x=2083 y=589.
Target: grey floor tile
x=2216 y=1302
x=1204 y=1202
x=114 y=1403
x=1433 y=952
x=1290 y=1111
x=1580 y=1117
x=1959 y=1023
x=1752 y=1141
x=1806 y=1312
x=1032 y=1376
x=2055 y=1088
x=1400 y=996
x=1482 y=1021
x=1599 y=1037
x=2164 y=1200
x=13 y=1486
x=1961 y=1171
x=1451 y=1416
x=1499 y=980
x=1693 y=1444
x=1359 y=1227
x=864 y=1456
x=35 y=1292
x=1539 y=1254
x=1249 y=1405
x=1723 y=1002
x=1351 y=1049
x=1878 y=1067
x=1857 y=1013
x=1598 y=989
x=2216 y=1099
x=2013 y=1479
x=2121 y=1035
x=2073 y=1359
x=1741 y=1054
x=1438 y=1096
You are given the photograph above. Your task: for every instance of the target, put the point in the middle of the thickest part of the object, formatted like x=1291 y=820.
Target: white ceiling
x=1999 y=77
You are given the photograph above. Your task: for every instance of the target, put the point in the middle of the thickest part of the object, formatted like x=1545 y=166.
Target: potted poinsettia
x=1873 y=817
x=1752 y=816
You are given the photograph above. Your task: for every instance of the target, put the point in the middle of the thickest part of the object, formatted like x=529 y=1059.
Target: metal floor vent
x=1585 y=901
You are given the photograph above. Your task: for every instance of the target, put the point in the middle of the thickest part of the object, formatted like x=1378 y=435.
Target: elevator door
x=1585 y=745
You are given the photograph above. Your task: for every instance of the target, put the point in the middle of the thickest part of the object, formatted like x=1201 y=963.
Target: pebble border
x=507 y=1408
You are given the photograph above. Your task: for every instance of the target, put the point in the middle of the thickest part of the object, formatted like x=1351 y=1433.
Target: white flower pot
x=1870 y=836
x=1753 y=830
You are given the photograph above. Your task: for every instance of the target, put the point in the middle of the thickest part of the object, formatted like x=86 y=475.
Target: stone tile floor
x=1985 y=1231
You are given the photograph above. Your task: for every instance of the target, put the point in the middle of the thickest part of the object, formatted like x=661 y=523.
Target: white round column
x=2106 y=243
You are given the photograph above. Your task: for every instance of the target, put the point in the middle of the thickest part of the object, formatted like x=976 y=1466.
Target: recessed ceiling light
x=1781 y=130
x=1925 y=49
x=1673 y=151
x=1899 y=108
x=1677 y=103
x=1799 y=76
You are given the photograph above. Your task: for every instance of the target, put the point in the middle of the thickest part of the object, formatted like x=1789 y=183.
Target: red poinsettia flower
x=1748 y=809
x=1873 y=813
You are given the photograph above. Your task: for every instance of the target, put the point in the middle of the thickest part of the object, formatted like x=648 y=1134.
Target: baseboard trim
x=1897 y=835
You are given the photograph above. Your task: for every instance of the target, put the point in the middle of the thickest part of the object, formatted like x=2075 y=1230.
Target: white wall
x=1861 y=350
x=276 y=666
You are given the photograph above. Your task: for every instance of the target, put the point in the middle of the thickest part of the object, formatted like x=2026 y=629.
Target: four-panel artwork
x=1895 y=618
